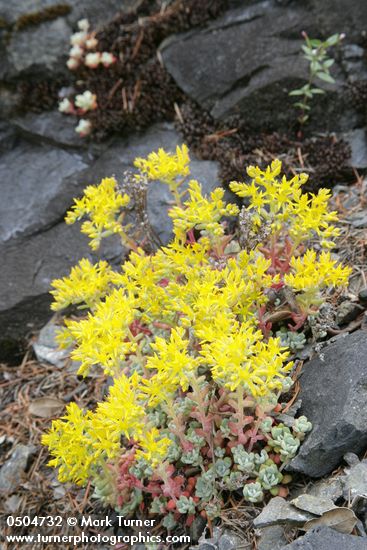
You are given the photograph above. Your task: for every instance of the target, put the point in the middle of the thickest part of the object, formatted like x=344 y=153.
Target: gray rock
x=355 y=481
x=11 y=11
x=314 y=505
x=331 y=488
x=11 y=473
x=248 y=60
x=39 y=48
x=236 y=56
x=222 y=540
x=359 y=219
x=196 y=528
x=28 y=269
x=271 y=538
x=279 y=511
x=51 y=127
x=324 y=538
x=230 y=541
x=362 y=295
x=9 y=98
x=333 y=394
x=357 y=141
x=351 y=459
x=353 y=51
x=91 y=9
x=353 y=62
x=7 y=137
x=37 y=186
x=334 y=16
x=13 y=503
x=347 y=312
x=46 y=347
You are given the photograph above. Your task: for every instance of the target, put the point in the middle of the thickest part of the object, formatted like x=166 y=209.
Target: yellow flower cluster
x=102 y=338
x=201 y=213
x=198 y=308
x=309 y=274
x=281 y=203
x=68 y=441
x=102 y=204
x=172 y=362
x=166 y=167
x=241 y=359
x=87 y=284
x=81 y=442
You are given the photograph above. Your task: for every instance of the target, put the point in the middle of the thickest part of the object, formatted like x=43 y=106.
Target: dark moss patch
x=234 y=146
x=37 y=95
x=12 y=351
x=40 y=16
x=328 y=157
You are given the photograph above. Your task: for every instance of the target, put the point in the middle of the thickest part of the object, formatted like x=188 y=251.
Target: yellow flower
x=310 y=272
x=87 y=283
x=69 y=444
x=120 y=415
x=166 y=167
x=141 y=283
x=102 y=204
x=153 y=447
x=189 y=305
x=281 y=203
x=311 y=216
x=179 y=258
x=267 y=190
x=242 y=359
x=102 y=338
x=172 y=362
x=201 y=213
x=80 y=442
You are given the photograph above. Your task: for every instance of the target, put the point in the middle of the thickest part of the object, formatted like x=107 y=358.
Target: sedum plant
x=83 y=52
x=186 y=334
x=315 y=51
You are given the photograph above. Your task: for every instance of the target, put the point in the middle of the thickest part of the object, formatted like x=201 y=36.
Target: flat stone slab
x=271 y=538
x=279 y=511
x=334 y=396
x=312 y=504
x=43 y=47
x=37 y=184
x=245 y=50
x=50 y=127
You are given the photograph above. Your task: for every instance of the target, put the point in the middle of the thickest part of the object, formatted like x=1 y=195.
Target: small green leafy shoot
x=316 y=53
